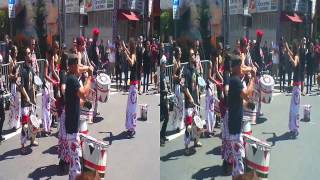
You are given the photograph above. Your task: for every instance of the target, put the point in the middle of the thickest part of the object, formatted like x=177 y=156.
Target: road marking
x=174 y=136
x=8 y=136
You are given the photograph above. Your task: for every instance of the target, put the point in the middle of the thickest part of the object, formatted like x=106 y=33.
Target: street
x=127 y=159
x=290 y=159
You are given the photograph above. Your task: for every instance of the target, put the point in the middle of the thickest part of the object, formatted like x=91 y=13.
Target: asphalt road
x=291 y=159
x=127 y=159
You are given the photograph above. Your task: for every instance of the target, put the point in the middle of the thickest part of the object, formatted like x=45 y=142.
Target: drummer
x=131 y=112
x=236 y=95
x=191 y=92
x=27 y=97
x=15 y=107
x=177 y=73
x=296 y=92
x=47 y=93
x=73 y=93
x=257 y=56
x=2 y=110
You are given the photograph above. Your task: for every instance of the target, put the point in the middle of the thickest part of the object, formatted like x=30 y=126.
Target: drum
x=257 y=156
x=103 y=87
x=38 y=81
x=83 y=125
x=266 y=86
x=143 y=112
x=198 y=122
x=35 y=122
x=306 y=112
x=94 y=154
x=249 y=114
x=202 y=82
x=246 y=127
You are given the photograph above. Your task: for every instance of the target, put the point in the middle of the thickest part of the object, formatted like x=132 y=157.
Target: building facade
x=291 y=19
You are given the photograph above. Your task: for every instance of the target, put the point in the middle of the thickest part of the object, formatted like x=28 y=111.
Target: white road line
x=174 y=136
x=8 y=136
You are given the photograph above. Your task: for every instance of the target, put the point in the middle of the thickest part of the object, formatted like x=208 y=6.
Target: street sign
x=175 y=8
x=11 y=11
x=11 y=1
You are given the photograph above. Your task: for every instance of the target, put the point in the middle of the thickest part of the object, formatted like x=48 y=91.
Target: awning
x=295 y=18
x=130 y=16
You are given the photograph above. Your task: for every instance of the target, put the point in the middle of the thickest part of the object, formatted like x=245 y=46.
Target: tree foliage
x=4 y=23
x=166 y=24
x=40 y=21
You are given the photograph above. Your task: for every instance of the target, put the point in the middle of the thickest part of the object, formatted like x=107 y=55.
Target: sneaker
x=198 y=144
x=34 y=143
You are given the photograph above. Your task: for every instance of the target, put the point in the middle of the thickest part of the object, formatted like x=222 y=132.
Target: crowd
x=233 y=90
x=69 y=88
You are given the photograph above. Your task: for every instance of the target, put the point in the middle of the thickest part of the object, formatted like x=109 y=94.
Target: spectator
x=275 y=62
x=310 y=58
x=139 y=60
x=147 y=62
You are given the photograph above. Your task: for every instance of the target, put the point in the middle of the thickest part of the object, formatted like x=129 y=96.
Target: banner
x=72 y=6
x=99 y=5
x=236 y=7
x=257 y=6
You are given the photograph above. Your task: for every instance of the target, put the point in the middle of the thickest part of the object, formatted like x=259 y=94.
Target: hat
x=259 y=33
x=96 y=31
x=80 y=40
x=244 y=42
x=72 y=59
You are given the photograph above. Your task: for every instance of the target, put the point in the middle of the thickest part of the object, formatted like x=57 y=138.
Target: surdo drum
x=257 y=156
x=94 y=154
x=103 y=87
x=266 y=86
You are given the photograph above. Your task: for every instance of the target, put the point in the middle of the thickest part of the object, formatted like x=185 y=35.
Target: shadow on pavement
x=45 y=172
x=173 y=155
x=275 y=138
x=304 y=120
x=208 y=173
x=97 y=119
x=261 y=120
x=13 y=153
x=52 y=150
x=215 y=151
x=121 y=136
x=172 y=132
x=8 y=131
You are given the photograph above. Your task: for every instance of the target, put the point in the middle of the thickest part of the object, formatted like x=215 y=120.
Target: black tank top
x=134 y=71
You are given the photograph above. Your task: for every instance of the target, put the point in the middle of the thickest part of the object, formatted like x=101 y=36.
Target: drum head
x=103 y=79
x=35 y=121
x=198 y=121
x=267 y=80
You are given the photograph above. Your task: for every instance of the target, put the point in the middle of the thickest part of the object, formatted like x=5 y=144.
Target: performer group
x=236 y=86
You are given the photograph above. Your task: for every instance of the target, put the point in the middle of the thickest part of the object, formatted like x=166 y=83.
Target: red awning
x=130 y=16
x=295 y=18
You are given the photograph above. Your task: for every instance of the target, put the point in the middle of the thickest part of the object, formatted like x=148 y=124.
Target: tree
x=204 y=19
x=40 y=20
x=166 y=24
x=4 y=23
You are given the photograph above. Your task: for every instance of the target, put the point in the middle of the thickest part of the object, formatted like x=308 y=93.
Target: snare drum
x=35 y=124
x=94 y=154
x=103 y=87
x=266 y=86
x=246 y=127
x=257 y=156
x=306 y=112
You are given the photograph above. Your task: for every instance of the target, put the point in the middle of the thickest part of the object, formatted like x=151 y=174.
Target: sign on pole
x=11 y=8
x=175 y=8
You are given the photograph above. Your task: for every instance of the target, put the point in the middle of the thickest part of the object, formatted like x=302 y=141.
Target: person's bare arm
x=46 y=75
x=175 y=68
x=84 y=90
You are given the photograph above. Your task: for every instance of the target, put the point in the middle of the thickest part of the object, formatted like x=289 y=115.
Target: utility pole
x=227 y=22
x=278 y=33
